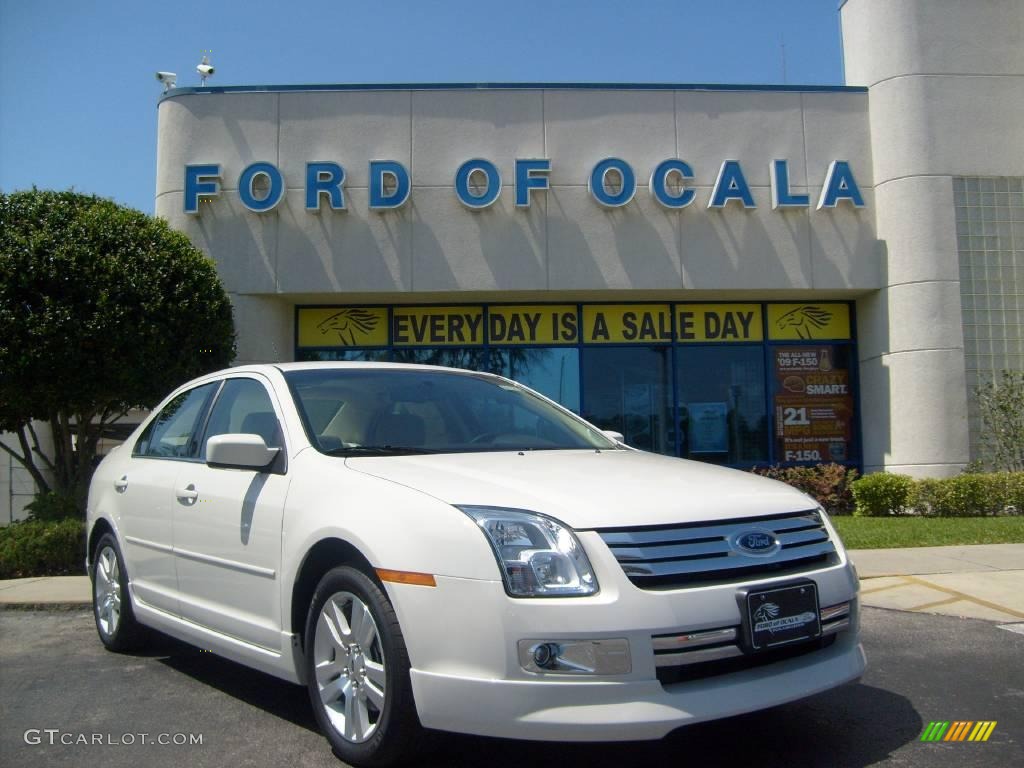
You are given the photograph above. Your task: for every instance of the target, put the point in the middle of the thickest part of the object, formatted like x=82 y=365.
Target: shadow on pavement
x=853 y=726
x=850 y=727
x=276 y=697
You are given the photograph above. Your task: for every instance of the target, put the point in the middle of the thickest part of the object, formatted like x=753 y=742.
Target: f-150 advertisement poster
x=813 y=406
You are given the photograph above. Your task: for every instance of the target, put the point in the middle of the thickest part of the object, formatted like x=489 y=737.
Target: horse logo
x=766 y=612
x=765 y=616
x=805 y=320
x=348 y=324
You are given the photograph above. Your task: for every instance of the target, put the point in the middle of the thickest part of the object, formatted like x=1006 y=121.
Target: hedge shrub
x=883 y=494
x=52 y=506
x=42 y=548
x=829 y=484
x=971 y=494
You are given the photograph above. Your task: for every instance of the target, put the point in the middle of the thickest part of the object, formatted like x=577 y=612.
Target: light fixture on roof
x=169 y=79
x=204 y=68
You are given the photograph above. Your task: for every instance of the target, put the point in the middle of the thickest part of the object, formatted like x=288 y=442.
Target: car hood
x=590 y=489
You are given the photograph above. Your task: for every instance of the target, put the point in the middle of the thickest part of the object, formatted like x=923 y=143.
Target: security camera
x=205 y=69
x=169 y=79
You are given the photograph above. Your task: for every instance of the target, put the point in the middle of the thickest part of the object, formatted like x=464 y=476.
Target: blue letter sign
x=491 y=191
x=526 y=180
x=781 y=196
x=324 y=178
x=599 y=177
x=840 y=185
x=199 y=181
x=659 y=184
x=247 y=181
x=384 y=169
x=731 y=184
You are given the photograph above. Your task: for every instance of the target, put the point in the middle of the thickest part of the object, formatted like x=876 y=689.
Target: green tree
x=1001 y=403
x=102 y=309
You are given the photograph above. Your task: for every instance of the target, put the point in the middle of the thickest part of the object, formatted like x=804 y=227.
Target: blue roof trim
x=513 y=87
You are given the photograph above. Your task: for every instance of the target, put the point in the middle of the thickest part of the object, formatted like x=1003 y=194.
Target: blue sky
x=78 y=94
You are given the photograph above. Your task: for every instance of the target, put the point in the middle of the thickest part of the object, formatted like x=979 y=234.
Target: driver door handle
x=187 y=495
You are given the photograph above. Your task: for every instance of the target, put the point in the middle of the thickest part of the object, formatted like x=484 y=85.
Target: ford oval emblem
x=756 y=543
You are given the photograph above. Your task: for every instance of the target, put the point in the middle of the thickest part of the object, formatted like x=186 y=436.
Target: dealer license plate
x=782 y=615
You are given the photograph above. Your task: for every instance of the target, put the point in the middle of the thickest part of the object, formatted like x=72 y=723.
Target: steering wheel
x=485 y=437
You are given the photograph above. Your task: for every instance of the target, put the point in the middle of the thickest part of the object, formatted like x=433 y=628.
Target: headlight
x=538 y=556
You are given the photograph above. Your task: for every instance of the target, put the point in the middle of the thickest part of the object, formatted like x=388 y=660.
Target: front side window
x=384 y=412
x=171 y=434
x=243 y=406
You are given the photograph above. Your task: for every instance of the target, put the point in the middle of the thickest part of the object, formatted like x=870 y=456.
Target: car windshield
x=365 y=411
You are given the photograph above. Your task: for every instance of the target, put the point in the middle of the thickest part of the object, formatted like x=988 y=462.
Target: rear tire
x=357 y=668
x=111 y=601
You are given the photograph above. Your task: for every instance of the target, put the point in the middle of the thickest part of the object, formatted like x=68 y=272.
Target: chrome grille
x=690 y=554
x=683 y=656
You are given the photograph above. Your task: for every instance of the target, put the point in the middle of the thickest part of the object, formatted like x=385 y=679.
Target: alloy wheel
x=107 y=591
x=348 y=662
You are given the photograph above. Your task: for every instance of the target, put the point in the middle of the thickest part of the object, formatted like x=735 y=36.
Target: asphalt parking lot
x=55 y=675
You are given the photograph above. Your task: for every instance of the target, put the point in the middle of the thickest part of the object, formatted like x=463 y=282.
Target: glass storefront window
x=626 y=389
x=813 y=403
x=722 y=411
x=343 y=355
x=735 y=383
x=554 y=372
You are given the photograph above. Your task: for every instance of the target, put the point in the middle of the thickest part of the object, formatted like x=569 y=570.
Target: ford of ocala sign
x=478 y=182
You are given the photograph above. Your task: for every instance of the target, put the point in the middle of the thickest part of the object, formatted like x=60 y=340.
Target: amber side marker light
x=406 y=577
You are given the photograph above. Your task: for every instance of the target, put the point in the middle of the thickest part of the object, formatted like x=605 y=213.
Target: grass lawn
x=888 y=532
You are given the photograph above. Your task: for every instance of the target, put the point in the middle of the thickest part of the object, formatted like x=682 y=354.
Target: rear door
x=145 y=495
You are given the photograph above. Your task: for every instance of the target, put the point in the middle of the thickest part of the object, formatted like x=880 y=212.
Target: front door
x=227 y=525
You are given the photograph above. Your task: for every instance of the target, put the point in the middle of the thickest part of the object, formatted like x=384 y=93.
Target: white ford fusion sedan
x=430 y=548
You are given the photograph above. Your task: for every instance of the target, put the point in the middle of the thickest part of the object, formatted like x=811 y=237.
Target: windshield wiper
x=377 y=450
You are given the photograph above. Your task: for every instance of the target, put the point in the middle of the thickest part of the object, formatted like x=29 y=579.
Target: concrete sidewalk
x=46 y=592
x=984 y=581
x=981 y=582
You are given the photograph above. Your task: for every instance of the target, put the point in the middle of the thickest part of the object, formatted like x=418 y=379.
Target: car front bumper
x=578 y=710
x=467 y=676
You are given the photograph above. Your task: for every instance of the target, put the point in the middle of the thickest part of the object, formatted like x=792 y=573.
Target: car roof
x=315 y=366
x=335 y=365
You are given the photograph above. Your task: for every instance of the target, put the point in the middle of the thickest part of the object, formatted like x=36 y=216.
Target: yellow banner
x=343 y=327
x=532 y=324
x=627 y=323
x=719 y=322
x=437 y=326
x=809 y=321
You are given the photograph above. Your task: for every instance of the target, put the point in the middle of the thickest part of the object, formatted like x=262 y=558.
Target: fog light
x=576 y=657
x=545 y=655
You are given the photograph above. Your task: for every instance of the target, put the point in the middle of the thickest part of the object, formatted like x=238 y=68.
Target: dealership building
x=746 y=275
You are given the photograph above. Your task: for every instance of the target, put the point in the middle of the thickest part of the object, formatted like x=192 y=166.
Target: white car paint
x=219 y=570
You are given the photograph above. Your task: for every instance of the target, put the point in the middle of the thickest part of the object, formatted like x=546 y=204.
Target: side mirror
x=239 y=451
x=618 y=437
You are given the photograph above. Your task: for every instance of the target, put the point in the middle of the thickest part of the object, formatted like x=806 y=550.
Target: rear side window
x=243 y=406
x=172 y=434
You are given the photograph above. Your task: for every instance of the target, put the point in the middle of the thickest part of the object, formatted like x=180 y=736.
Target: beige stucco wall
x=565 y=241
x=946 y=98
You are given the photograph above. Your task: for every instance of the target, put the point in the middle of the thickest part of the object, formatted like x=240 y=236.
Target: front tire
x=357 y=668
x=111 y=602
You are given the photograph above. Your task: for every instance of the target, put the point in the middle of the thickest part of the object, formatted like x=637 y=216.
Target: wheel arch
x=100 y=528
x=323 y=556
